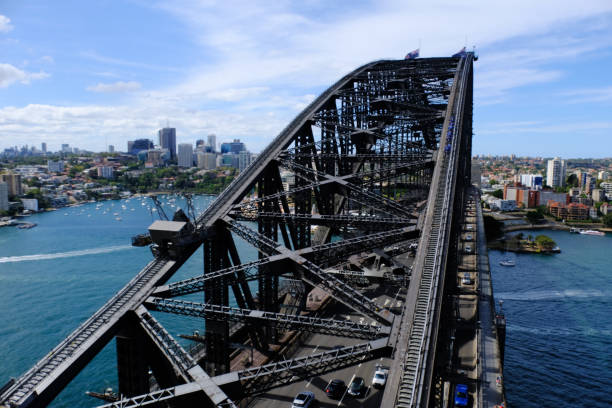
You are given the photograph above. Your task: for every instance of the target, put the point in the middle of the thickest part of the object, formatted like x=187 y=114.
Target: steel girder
x=363 y=222
x=315 y=276
x=281 y=321
x=261 y=379
x=322 y=255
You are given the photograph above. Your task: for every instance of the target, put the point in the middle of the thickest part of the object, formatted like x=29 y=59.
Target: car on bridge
x=304 y=399
x=335 y=388
x=380 y=376
x=461 y=395
x=357 y=387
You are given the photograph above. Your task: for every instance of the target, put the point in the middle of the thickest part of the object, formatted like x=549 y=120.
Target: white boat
x=592 y=232
x=507 y=262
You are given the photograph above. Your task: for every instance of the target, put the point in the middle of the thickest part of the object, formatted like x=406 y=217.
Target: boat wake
x=553 y=295
x=70 y=254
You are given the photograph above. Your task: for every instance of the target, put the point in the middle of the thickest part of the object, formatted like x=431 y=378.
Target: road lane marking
x=346 y=390
x=309 y=381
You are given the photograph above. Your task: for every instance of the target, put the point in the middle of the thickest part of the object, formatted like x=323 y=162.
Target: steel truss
x=334 y=327
x=352 y=160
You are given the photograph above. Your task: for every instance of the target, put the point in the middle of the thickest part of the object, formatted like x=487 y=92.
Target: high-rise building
x=607 y=187
x=244 y=159
x=66 y=148
x=130 y=145
x=555 y=174
x=200 y=144
x=43 y=146
x=14 y=183
x=185 y=155
x=207 y=161
x=55 y=166
x=533 y=181
x=139 y=145
x=598 y=195
x=111 y=149
x=234 y=147
x=212 y=142
x=4 y=205
x=167 y=140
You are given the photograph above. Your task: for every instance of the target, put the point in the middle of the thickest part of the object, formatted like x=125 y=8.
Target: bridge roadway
x=282 y=397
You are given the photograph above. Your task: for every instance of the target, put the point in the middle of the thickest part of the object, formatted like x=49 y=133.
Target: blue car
x=461 y=395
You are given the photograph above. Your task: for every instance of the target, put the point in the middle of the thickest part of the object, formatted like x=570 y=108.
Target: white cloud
x=115 y=87
x=275 y=57
x=5 y=24
x=10 y=74
x=588 y=95
x=47 y=58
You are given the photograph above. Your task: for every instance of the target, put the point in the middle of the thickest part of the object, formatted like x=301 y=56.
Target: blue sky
x=105 y=72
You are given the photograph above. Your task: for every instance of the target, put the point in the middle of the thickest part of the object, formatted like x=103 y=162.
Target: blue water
x=54 y=276
x=559 y=323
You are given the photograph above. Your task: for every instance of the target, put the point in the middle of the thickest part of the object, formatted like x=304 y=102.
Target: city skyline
x=539 y=83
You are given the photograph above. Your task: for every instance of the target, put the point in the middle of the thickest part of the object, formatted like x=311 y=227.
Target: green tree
x=498 y=193
x=493 y=228
x=544 y=242
x=607 y=220
x=534 y=217
x=572 y=180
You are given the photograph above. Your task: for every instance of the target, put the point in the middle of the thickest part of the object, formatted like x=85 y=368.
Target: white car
x=466 y=280
x=380 y=376
x=303 y=400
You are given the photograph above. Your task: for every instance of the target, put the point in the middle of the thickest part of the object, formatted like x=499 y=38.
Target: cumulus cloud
x=10 y=74
x=115 y=87
x=5 y=24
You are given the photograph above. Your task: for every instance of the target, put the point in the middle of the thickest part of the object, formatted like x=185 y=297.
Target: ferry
x=507 y=262
x=592 y=232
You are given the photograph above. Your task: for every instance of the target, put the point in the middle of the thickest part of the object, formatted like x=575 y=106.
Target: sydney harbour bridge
x=357 y=245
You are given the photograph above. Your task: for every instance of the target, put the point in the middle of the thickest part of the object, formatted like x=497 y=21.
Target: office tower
x=139 y=145
x=14 y=183
x=185 y=155
x=207 y=161
x=244 y=159
x=130 y=146
x=167 y=140
x=44 y=147
x=533 y=181
x=4 y=206
x=111 y=149
x=555 y=174
x=66 y=148
x=212 y=142
x=234 y=147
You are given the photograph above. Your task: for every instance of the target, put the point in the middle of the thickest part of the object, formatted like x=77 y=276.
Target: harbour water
x=54 y=276
x=559 y=323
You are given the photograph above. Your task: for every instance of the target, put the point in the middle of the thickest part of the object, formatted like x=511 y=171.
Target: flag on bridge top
x=412 y=54
x=461 y=53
